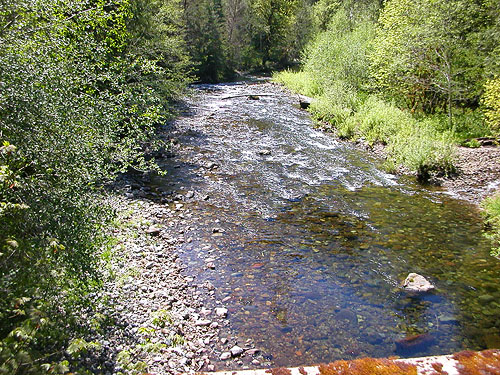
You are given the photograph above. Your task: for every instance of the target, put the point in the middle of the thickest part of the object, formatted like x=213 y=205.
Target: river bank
x=477 y=173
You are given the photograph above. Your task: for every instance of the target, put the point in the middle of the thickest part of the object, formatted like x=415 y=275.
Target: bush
x=340 y=53
x=336 y=105
x=491 y=207
x=414 y=144
x=77 y=106
x=491 y=103
x=299 y=82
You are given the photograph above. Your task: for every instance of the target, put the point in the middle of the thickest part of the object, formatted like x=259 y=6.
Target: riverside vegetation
x=84 y=84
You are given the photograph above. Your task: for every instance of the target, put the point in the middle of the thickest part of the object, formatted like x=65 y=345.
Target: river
x=307 y=239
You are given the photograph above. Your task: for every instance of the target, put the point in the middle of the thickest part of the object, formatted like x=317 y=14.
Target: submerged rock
x=413 y=344
x=417 y=283
x=236 y=351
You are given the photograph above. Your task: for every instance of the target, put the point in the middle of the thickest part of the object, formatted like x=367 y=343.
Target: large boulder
x=417 y=283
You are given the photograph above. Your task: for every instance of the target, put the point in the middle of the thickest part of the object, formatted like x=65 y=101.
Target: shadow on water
x=313 y=239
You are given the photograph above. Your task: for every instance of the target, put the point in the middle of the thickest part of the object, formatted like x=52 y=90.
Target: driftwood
x=486 y=141
x=249 y=96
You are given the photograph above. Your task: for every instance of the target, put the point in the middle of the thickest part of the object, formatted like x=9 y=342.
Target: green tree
x=205 y=38
x=425 y=53
x=271 y=22
x=78 y=105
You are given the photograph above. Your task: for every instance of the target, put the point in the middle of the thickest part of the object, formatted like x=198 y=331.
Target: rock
x=225 y=356
x=447 y=319
x=486 y=298
x=190 y=194
x=413 y=344
x=153 y=231
x=255 y=362
x=253 y=97
x=253 y=351
x=221 y=311
x=417 y=283
x=304 y=101
x=236 y=351
x=203 y=322
x=264 y=152
x=210 y=368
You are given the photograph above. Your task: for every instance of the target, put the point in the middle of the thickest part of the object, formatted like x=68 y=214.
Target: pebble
x=203 y=322
x=236 y=351
x=153 y=231
x=225 y=356
x=221 y=312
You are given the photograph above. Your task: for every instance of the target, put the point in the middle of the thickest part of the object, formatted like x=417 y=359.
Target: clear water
x=316 y=238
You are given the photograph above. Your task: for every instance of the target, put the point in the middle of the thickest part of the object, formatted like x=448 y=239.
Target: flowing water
x=311 y=239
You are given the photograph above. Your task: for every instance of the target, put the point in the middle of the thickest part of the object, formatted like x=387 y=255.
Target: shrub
x=76 y=107
x=491 y=207
x=491 y=103
x=414 y=144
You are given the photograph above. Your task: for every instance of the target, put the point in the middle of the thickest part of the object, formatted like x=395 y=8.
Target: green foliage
x=491 y=207
x=161 y=318
x=426 y=53
x=205 y=28
x=84 y=85
x=340 y=53
x=300 y=82
x=336 y=105
x=491 y=103
x=417 y=145
x=271 y=22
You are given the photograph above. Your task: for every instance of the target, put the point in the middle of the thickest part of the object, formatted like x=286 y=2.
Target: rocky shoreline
x=163 y=321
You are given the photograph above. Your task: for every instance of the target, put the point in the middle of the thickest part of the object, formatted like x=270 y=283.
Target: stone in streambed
x=417 y=283
x=414 y=344
x=153 y=231
x=225 y=356
x=203 y=322
x=236 y=351
x=221 y=311
x=264 y=152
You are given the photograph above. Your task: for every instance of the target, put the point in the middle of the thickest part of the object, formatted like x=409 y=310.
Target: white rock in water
x=221 y=311
x=236 y=350
x=417 y=283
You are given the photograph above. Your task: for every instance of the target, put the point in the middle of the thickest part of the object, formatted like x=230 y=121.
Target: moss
x=368 y=366
x=478 y=363
x=438 y=367
x=279 y=371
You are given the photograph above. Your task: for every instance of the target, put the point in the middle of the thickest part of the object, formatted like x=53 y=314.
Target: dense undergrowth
x=82 y=91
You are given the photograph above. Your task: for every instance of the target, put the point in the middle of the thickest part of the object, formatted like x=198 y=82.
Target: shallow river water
x=310 y=238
